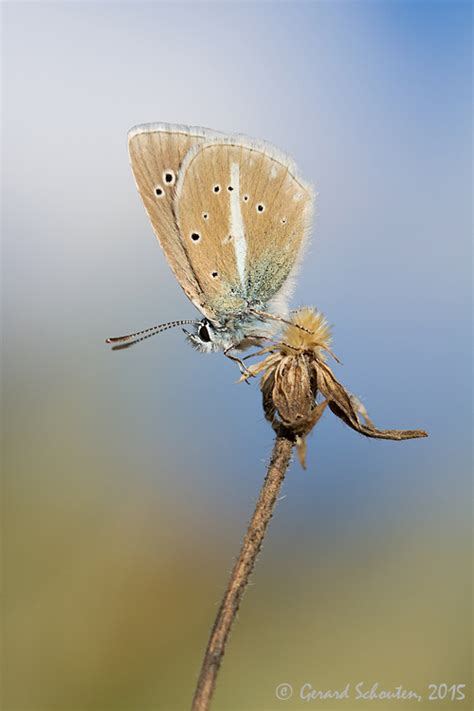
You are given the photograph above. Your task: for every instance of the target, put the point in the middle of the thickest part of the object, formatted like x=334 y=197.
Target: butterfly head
x=207 y=337
x=238 y=332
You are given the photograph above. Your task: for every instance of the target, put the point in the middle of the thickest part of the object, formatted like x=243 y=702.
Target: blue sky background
x=153 y=457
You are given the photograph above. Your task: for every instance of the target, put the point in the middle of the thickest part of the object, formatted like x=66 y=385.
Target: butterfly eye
x=260 y=207
x=169 y=177
x=159 y=191
x=195 y=236
x=204 y=334
x=217 y=188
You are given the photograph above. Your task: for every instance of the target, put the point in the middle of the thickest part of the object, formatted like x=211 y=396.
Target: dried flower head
x=315 y=338
x=297 y=384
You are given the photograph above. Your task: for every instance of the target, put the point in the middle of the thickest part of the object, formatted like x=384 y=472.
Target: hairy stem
x=242 y=569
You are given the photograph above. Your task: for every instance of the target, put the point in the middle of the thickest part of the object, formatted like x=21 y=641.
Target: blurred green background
x=129 y=477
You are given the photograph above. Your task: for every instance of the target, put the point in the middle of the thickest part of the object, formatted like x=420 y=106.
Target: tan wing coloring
x=243 y=215
x=156 y=152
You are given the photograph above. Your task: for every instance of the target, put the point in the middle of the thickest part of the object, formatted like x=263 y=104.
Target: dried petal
x=335 y=392
x=301 y=450
x=373 y=431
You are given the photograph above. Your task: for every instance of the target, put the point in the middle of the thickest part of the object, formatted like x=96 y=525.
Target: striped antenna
x=132 y=338
x=273 y=317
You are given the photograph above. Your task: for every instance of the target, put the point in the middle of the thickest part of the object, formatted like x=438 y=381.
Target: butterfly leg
x=270 y=349
x=263 y=351
x=242 y=367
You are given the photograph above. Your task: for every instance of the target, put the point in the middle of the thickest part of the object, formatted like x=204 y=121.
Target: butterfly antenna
x=132 y=338
x=272 y=317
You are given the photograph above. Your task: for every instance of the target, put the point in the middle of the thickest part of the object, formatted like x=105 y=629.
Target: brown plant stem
x=243 y=567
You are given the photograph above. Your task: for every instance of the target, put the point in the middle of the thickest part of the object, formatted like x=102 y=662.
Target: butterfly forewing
x=243 y=215
x=156 y=153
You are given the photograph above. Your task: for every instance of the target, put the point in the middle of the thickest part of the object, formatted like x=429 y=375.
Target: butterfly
x=232 y=216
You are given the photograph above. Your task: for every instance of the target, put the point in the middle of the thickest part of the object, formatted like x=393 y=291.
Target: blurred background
x=130 y=476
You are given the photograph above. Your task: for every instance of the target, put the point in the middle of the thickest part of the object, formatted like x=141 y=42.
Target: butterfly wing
x=243 y=214
x=156 y=152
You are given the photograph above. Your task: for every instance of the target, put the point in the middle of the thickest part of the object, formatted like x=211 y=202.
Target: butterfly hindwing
x=243 y=215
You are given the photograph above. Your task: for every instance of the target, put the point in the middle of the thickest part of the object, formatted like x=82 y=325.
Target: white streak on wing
x=237 y=223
